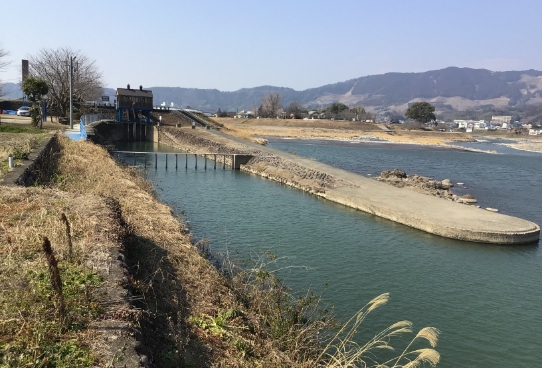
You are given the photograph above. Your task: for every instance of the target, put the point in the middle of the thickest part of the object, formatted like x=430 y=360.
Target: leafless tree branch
x=271 y=104
x=53 y=65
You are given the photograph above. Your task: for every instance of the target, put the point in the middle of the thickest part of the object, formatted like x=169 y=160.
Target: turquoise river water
x=485 y=299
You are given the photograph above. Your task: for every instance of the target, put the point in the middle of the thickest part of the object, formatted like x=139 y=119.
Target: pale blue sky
x=300 y=44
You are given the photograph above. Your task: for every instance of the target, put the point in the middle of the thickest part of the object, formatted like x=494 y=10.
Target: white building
x=482 y=124
x=501 y=120
x=466 y=123
x=535 y=130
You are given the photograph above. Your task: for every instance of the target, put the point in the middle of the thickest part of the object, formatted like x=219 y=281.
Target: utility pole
x=72 y=58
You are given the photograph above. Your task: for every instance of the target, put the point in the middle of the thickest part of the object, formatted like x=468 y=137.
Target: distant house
x=245 y=114
x=441 y=127
x=535 y=130
x=482 y=124
x=131 y=103
x=501 y=120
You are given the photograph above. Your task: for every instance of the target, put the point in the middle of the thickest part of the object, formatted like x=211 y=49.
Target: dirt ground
x=340 y=130
x=26 y=122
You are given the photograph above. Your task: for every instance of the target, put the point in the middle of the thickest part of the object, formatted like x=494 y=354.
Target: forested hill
x=450 y=89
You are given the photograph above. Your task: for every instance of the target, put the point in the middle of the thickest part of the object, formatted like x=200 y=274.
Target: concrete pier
x=424 y=212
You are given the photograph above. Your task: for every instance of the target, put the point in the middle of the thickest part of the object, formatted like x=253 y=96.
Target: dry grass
x=249 y=129
x=18 y=142
x=341 y=351
x=178 y=286
x=31 y=331
x=191 y=315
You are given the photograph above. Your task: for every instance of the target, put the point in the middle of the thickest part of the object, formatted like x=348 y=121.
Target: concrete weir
x=424 y=212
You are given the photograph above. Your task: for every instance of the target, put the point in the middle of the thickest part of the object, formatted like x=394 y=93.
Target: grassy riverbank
x=129 y=271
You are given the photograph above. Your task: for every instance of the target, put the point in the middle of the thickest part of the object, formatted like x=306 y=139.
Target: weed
x=20 y=154
x=16 y=129
x=68 y=235
x=56 y=284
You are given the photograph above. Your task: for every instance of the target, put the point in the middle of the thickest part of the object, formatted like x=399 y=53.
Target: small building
x=501 y=120
x=482 y=124
x=245 y=114
x=535 y=130
x=132 y=103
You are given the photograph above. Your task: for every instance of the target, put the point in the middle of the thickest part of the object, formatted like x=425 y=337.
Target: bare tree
x=271 y=104
x=295 y=108
x=54 y=66
x=3 y=64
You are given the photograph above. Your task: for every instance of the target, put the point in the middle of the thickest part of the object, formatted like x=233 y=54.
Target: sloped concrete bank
x=427 y=213
x=36 y=167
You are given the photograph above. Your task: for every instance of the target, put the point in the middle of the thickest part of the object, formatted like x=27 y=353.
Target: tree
x=335 y=109
x=35 y=88
x=359 y=113
x=53 y=66
x=295 y=108
x=271 y=104
x=422 y=112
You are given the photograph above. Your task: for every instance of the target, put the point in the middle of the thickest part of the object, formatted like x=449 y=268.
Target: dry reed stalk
x=54 y=274
x=68 y=235
x=342 y=351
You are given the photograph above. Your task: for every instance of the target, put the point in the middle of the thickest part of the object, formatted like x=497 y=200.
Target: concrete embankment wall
x=263 y=164
x=424 y=212
x=39 y=165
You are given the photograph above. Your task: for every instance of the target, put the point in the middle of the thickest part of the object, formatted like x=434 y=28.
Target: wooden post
x=155 y=161
x=215 y=162
x=224 y=163
x=196 y=156
x=186 y=161
x=175 y=161
x=166 y=161
x=205 y=161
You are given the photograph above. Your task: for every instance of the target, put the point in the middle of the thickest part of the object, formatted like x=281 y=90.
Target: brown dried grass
x=326 y=129
x=174 y=280
x=191 y=315
x=31 y=332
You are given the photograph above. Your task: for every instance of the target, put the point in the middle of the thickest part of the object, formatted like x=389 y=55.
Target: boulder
x=400 y=174
x=447 y=183
x=467 y=198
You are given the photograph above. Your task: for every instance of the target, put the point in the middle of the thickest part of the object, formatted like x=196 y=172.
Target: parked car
x=23 y=111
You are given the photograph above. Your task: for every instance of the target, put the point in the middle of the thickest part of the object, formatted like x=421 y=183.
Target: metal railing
x=91 y=118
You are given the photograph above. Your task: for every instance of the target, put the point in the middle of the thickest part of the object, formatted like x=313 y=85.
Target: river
x=485 y=299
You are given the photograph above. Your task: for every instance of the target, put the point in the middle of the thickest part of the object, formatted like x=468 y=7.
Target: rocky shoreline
x=421 y=184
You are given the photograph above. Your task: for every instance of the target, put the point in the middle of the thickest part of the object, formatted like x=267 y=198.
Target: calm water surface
x=484 y=298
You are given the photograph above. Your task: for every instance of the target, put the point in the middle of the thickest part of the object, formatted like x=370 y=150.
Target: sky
x=229 y=45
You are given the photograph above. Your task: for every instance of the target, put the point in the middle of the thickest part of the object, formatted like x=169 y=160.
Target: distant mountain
x=11 y=91
x=451 y=89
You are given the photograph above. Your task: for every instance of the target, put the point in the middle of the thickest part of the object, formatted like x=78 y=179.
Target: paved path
x=428 y=213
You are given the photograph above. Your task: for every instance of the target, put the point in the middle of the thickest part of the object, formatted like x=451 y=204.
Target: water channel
x=484 y=298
